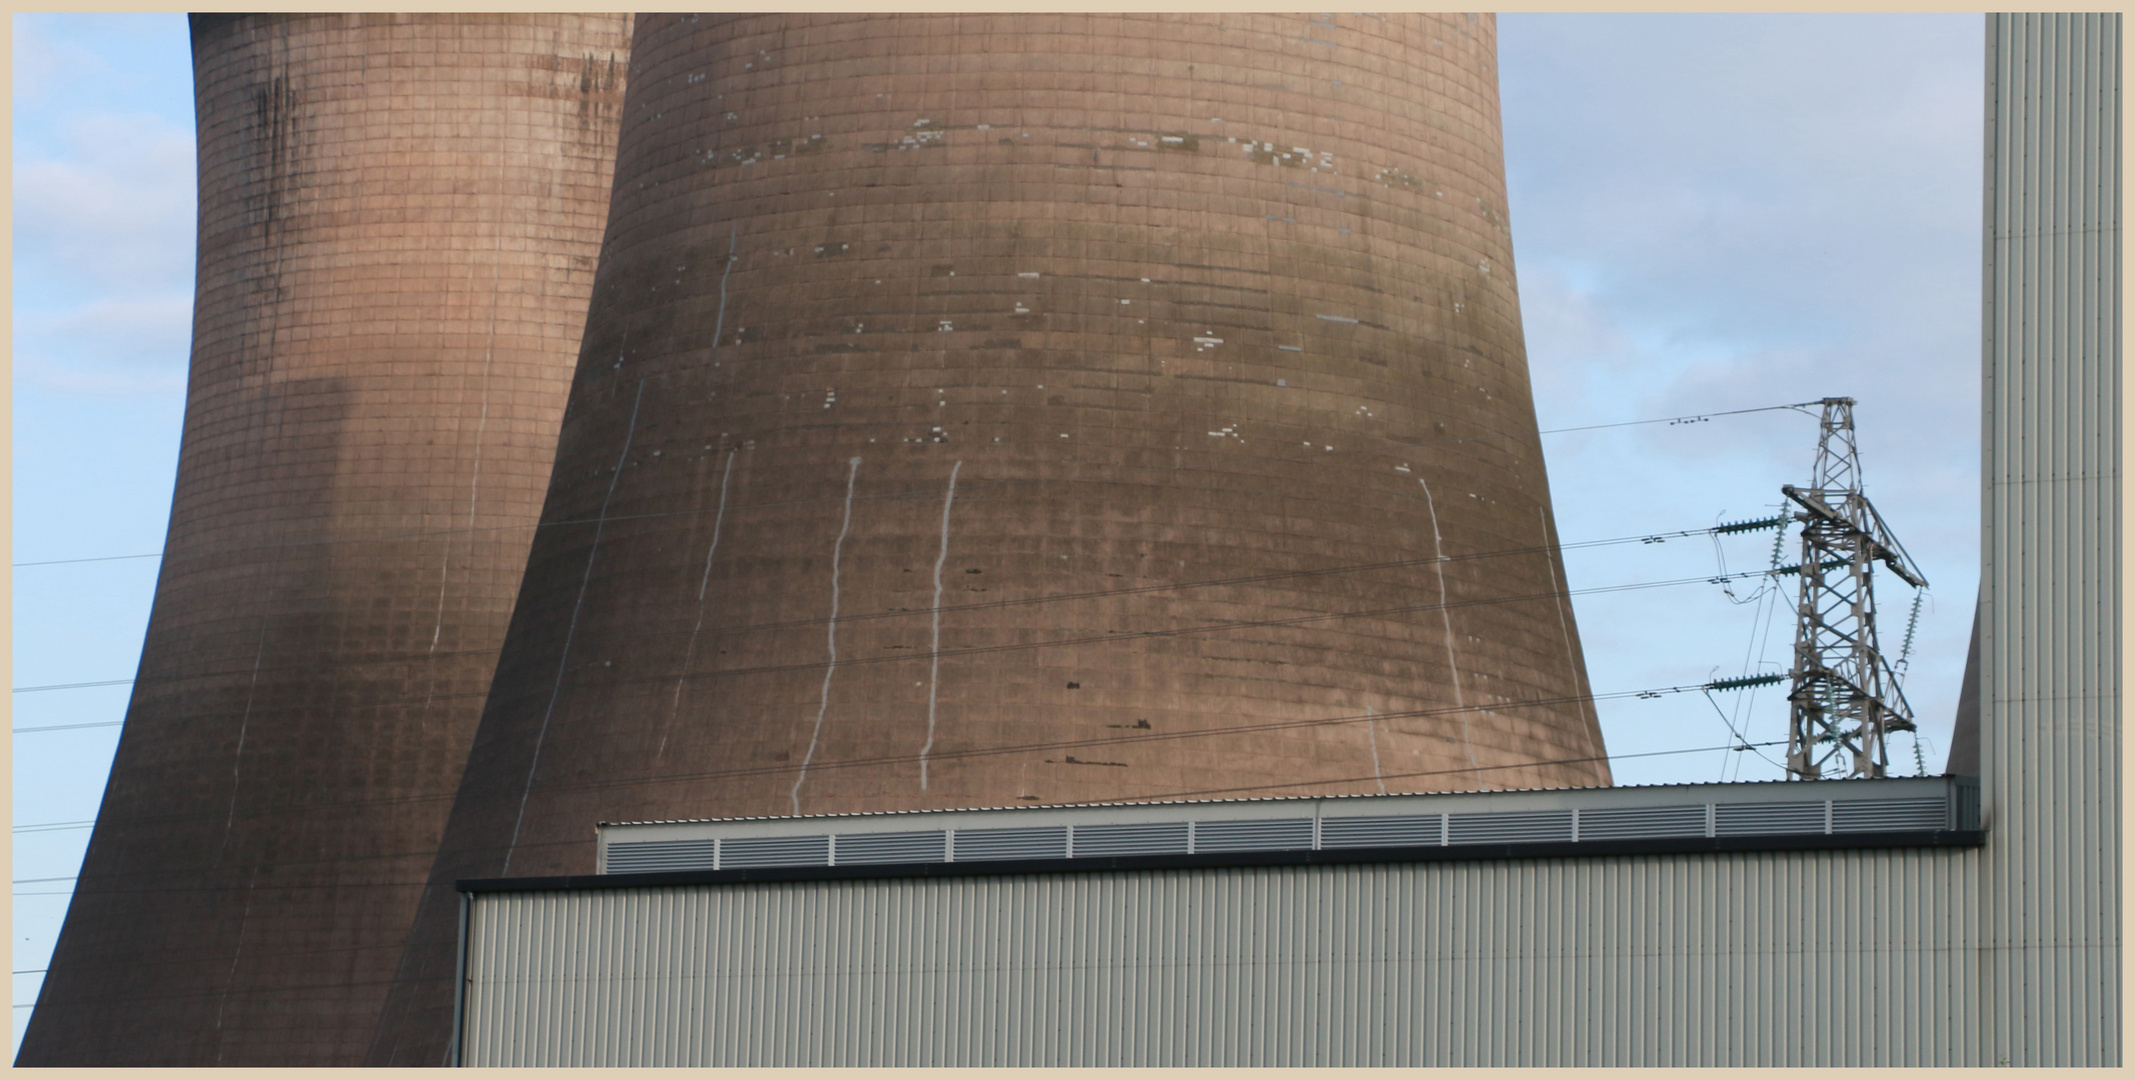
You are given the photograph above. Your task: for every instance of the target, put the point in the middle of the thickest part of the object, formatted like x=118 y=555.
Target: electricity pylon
x=1845 y=698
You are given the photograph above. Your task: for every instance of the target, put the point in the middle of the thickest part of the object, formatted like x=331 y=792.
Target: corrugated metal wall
x=1802 y=958
x=2005 y=954
x=2050 y=590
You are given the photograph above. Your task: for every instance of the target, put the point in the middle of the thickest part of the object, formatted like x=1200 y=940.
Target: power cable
x=284 y=809
x=171 y=890
x=1108 y=638
x=1740 y=738
x=1428 y=772
x=391 y=658
x=931 y=493
x=1760 y=606
x=1055 y=598
x=988 y=605
x=98 y=558
x=233 y=991
x=275 y=865
x=171 y=958
x=1142 y=798
x=1187 y=631
x=1762 y=639
x=1154 y=736
x=71 y=686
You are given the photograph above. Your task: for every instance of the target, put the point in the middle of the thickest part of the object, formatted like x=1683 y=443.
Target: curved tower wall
x=1041 y=323
x=399 y=221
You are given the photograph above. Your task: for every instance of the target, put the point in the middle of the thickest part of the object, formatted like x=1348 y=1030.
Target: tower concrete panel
x=399 y=221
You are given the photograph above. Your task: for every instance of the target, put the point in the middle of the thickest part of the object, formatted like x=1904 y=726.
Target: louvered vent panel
x=1744 y=819
x=775 y=851
x=1151 y=838
x=1637 y=823
x=1354 y=832
x=980 y=845
x=658 y=855
x=1285 y=835
x=1517 y=827
x=901 y=847
x=1889 y=815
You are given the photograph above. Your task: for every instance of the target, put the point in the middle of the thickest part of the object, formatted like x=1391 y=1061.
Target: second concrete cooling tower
x=399 y=222
x=991 y=410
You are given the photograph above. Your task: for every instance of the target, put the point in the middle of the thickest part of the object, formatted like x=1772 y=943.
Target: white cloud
x=103 y=259
x=112 y=210
x=107 y=347
x=37 y=370
x=43 y=62
x=1725 y=212
x=1743 y=176
x=1571 y=326
x=149 y=332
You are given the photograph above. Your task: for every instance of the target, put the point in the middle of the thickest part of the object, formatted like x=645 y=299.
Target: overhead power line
x=1094 y=594
x=1363 y=779
x=1161 y=736
x=97 y=558
x=1110 y=637
x=974 y=488
x=1431 y=772
x=71 y=685
x=285 y=808
x=1245 y=789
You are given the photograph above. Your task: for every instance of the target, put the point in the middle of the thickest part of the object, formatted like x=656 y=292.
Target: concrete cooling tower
x=399 y=222
x=993 y=410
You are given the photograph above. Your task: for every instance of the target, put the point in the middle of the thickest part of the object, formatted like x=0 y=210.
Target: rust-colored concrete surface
x=400 y=217
x=985 y=410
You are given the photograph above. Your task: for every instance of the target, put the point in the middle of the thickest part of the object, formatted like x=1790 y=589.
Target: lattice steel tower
x=1845 y=698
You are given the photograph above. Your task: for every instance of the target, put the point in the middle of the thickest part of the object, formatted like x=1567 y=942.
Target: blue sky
x=103 y=280
x=1709 y=213
x=1724 y=212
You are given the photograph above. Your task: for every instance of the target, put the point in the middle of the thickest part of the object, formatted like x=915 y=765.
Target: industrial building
x=1043 y=558
x=1353 y=930
x=1864 y=922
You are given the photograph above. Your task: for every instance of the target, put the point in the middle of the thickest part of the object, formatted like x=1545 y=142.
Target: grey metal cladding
x=1642 y=822
x=1281 y=834
x=1646 y=960
x=656 y=856
x=1890 y=815
x=1515 y=827
x=2050 y=541
x=775 y=851
x=1398 y=831
x=898 y=847
x=1150 y=838
x=981 y=845
x=1750 y=819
